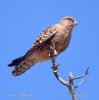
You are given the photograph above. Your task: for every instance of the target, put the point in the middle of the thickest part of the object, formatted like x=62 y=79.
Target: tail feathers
x=22 y=65
x=20 y=69
x=16 y=61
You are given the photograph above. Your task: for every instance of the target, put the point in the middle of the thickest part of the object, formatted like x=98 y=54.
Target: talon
x=55 y=53
x=55 y=69
x=49 y=55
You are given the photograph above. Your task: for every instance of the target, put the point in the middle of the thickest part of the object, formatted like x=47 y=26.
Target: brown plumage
x=59 y=33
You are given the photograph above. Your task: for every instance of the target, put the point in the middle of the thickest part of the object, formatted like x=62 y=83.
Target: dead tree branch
x=69 y=83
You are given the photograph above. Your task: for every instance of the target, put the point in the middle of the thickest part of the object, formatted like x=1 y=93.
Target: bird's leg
x=55 y=53
x=52 y=55
x=53 y=47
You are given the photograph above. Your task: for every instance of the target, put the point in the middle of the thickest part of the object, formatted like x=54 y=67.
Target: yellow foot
x=55 y=53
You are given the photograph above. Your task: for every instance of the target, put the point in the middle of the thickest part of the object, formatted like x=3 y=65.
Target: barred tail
x=21 y=65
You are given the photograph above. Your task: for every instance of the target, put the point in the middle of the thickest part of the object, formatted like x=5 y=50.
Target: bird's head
x=68 y=20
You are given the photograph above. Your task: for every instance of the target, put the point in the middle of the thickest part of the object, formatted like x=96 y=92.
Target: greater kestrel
x=59 y=34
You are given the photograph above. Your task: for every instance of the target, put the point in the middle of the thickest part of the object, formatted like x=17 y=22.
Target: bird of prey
x=59 y=34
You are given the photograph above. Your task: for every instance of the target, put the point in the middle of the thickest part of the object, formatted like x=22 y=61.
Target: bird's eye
x=70 y=19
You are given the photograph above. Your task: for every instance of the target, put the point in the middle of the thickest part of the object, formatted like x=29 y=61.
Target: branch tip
x=87 y=71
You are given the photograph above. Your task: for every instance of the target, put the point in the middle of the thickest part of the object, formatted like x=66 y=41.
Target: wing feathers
x=25 y=62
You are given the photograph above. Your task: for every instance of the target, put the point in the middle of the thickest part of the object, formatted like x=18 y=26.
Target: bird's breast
x=62 y=40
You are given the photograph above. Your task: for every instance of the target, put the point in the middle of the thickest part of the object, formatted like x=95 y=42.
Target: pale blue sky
x=21 y=21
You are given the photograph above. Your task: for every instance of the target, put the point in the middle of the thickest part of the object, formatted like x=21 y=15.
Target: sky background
x=21 y=21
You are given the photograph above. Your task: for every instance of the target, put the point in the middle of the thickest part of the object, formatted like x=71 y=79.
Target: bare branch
x=55 y=68
x=81 y=76
x=69 y=83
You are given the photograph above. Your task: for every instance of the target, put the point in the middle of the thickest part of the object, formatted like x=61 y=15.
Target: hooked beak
x=75 y=23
